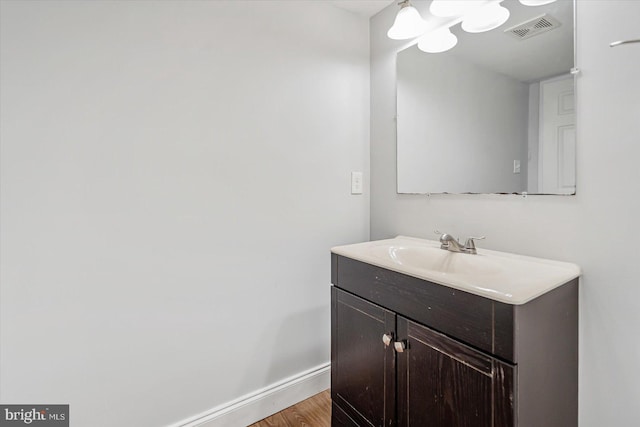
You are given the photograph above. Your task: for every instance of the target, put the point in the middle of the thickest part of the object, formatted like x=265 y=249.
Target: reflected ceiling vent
x=533 y=27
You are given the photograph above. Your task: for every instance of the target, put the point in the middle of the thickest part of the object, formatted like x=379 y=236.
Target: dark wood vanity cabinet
x=453 y=359
x=363 y=369
x=442 y=382
x=434 y=380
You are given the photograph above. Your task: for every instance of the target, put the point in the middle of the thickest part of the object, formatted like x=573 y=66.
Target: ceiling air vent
x=533 y=27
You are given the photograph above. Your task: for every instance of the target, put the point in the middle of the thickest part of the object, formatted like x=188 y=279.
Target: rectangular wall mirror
x=495 y=114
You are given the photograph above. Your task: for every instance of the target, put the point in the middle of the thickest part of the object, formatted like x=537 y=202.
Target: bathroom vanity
x=421 y=336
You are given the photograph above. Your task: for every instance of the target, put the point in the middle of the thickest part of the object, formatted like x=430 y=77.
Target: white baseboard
x=255 y=406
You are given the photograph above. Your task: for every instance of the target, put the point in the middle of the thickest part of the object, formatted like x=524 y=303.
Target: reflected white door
x=557 y=157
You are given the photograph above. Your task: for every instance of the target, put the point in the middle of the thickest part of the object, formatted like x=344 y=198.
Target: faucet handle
x=470 y=243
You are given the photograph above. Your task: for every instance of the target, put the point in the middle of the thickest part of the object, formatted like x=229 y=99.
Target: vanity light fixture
x=485 y=18
x=536 y=2
x=476 y=16
x=408 y=23
x=437 y=41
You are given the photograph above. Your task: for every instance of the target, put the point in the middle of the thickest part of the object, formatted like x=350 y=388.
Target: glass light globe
x=437 y=41
x=485 y=18
x=536 y=2
x=408 y=24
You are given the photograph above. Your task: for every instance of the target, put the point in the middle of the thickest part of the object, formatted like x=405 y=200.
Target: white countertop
x=500 y=276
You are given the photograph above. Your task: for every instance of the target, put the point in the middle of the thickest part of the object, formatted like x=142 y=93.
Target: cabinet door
x=362 y=366
x=444 y=383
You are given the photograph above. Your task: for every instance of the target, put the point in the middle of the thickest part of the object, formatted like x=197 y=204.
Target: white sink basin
x=509 y=278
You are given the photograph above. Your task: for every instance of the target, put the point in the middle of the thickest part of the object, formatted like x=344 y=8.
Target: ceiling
x=366 y=8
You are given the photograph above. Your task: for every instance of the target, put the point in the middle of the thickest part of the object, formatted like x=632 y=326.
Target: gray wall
x=597 y=228
x=173 y=176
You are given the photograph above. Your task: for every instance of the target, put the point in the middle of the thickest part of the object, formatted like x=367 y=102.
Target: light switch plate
x=356 y=182
x=516 y=166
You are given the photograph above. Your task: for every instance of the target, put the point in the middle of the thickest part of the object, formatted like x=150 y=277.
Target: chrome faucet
x=450 y=243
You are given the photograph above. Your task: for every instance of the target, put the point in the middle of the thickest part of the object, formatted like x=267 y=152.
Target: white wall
x=597 y=228
x=450 y=106
x=173 y=176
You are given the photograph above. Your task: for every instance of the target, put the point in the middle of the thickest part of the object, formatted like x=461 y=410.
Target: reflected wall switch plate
x=356 y=182
x=516 y=166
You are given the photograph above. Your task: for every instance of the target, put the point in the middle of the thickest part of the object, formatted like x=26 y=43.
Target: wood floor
x=313 y=412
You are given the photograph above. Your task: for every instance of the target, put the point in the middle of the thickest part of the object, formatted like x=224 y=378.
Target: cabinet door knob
x=387 y=338
x=400 y=346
